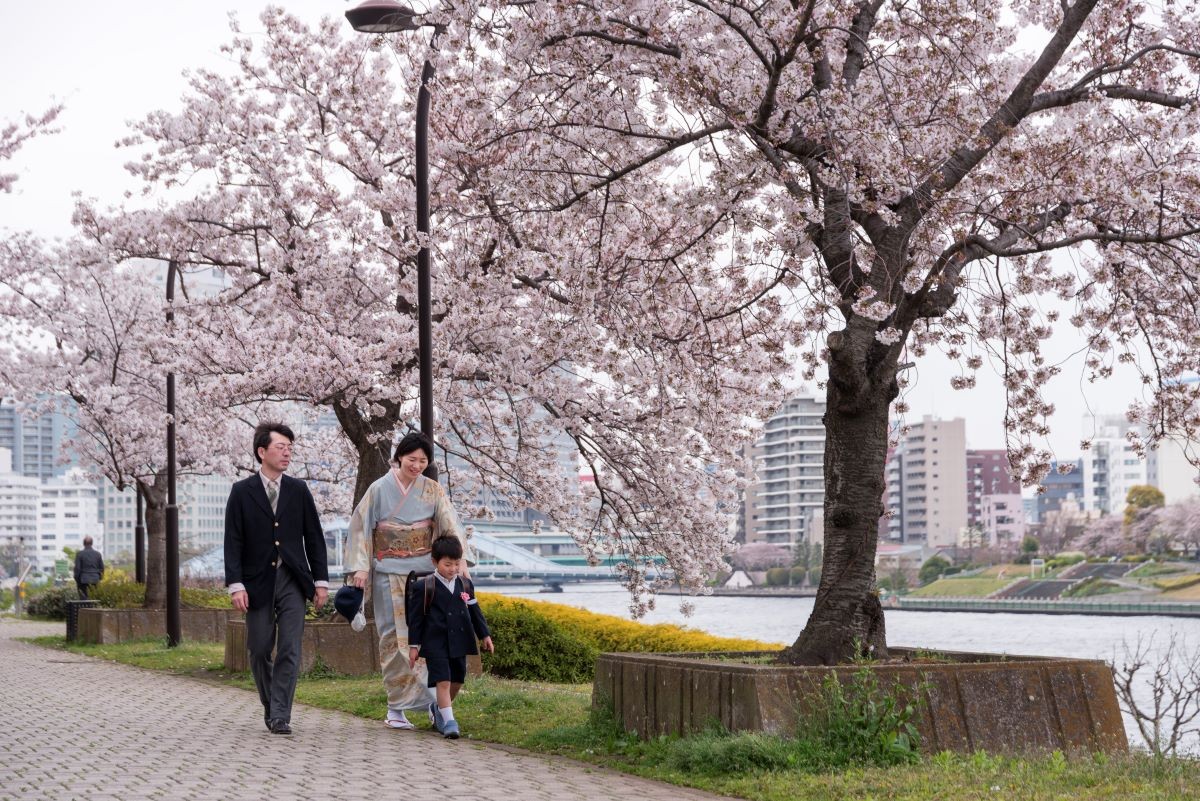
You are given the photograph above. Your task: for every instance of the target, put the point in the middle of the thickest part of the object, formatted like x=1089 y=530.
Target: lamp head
x=382 y=16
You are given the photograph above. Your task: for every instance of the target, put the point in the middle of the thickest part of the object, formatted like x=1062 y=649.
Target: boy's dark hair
x=262 y=436
x=413 y=441
x=446 y=546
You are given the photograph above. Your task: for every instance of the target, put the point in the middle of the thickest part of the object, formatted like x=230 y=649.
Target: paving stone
x=81 y=728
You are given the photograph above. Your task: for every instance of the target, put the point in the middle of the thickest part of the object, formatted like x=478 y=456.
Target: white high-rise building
x=788 y=491
x=201 y=516
x=1111 y=466
x=19 y=499
x=68 y=511
x=1171 y=471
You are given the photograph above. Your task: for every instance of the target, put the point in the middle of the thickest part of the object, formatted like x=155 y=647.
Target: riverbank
x=1059 y=607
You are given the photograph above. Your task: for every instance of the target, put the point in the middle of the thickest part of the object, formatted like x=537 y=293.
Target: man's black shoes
x=278 y=726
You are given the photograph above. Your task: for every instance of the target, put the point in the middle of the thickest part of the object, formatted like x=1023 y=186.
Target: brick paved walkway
x=72 y=727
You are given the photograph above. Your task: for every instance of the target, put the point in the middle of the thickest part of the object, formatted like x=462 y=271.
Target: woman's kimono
x=390 y=534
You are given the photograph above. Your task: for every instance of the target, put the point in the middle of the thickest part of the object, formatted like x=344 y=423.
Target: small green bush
x=859 y=723
x=119 y=594
x=777 y=577
x=531 y=648
x=6 y=599
x=797 y=575
x=51 y=602
x=932 y=570
x=852 y=723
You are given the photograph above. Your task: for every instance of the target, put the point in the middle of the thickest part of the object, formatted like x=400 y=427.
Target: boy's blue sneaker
x=435 y=717
x=450 y=730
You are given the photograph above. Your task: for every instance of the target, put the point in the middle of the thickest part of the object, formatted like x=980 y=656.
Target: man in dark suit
x=89 y=568
x=274 y=560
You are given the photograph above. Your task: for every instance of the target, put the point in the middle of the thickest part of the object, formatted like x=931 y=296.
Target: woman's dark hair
x=413 y=441
x=446 y=546
x=262 y=436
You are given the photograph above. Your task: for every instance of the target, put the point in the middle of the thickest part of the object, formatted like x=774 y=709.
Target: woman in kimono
x=390 y=534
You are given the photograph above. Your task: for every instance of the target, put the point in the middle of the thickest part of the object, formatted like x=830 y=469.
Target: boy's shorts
x=441 y=668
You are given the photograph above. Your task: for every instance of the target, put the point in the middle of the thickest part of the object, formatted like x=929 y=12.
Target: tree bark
x=372 y=440
x=847 y=618
x=156 y=542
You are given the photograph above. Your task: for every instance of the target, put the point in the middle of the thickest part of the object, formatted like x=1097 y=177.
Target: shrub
x=1065 y=559
x=797 y=575
x=858 y=723
x=532 y=648
x=51 y=603
x=119 y=594
x=6 y=599
x=850 y=724
x=814 y=576
x=1177 y=582
x=598 y=633
x=777 y=577
x=932 y=569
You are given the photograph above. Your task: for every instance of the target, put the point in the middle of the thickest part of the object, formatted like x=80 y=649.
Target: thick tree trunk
x=847 y=619
x=372 y=439
x=156 y=543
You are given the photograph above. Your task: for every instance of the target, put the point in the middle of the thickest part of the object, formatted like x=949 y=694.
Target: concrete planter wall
x=341 y=648
x=106 y=626
x=979 y=702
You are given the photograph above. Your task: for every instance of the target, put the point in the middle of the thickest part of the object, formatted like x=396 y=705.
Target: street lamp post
x=173 y=622
x=387 y=16
x=139 y=537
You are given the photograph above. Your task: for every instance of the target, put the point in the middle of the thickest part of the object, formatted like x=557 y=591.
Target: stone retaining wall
x=341 y=648
x=977 y=702
x=106 y=626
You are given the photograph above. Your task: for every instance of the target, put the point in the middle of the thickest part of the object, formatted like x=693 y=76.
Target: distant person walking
x=274 y=560
x=89 y=568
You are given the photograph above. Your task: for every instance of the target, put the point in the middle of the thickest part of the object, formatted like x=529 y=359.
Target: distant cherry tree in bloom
x=85 y=328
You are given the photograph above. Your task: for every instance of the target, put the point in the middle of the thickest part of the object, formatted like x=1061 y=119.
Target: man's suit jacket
x=256 y=540
x=89 y=566
x=451 y=627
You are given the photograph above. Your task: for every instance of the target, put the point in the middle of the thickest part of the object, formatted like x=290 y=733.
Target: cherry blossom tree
x=15 y=134
x=88 y=329
x=299 y=171
x=902 y=174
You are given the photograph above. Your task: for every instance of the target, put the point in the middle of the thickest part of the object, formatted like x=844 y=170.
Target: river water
x=780 y=620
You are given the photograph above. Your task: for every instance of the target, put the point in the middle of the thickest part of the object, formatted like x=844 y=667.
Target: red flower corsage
x=466 y=598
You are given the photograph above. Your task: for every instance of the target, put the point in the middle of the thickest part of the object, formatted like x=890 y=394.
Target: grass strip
x=559 y=719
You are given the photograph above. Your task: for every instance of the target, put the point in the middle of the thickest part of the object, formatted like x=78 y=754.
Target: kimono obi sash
x=401 y=540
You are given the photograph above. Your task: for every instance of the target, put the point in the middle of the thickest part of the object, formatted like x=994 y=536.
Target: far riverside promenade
x=82 y=728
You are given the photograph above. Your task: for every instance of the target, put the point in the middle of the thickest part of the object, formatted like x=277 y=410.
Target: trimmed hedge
x=532 y=648
x=611 y=633
x=1177 y=582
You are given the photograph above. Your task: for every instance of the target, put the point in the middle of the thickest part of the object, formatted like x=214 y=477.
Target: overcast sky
x=113 y=62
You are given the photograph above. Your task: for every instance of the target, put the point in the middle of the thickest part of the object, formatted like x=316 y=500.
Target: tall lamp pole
x=139 y=537
x=173 y=622
x=388 y=16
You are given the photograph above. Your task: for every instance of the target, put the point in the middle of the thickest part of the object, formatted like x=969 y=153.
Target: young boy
x=445 y=632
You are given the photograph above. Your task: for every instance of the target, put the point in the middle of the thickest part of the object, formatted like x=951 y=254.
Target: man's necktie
x=272 y=492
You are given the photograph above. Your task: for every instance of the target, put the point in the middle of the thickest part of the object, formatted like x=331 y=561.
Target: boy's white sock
x=447 y=713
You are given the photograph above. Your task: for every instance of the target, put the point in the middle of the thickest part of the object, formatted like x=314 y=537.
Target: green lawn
x=972 y=587
x=558 y=719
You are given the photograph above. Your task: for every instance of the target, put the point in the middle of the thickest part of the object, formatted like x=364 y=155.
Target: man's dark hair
x=413 y=441
x=262 y=436
x=446 y=546
x=87 y=542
